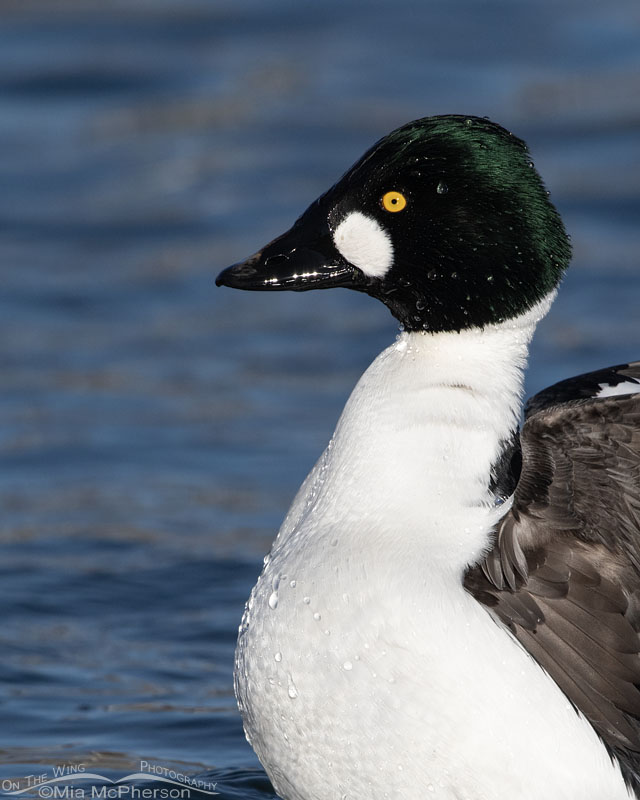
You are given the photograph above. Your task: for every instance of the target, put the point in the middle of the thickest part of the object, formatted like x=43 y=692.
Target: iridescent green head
x=445 y=220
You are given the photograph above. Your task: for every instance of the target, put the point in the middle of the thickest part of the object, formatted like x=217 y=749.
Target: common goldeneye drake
x=451 y=607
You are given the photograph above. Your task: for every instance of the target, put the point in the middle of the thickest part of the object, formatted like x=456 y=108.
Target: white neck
x=412 y=454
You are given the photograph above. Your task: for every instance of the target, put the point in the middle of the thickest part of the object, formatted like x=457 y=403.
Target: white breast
x=363 y=668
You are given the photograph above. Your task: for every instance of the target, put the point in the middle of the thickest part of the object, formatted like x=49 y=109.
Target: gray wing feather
x=564 y=572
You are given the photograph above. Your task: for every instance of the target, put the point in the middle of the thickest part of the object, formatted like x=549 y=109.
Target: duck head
x=445 y=220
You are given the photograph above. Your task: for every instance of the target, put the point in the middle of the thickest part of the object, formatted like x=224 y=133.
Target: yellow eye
x=394 y=201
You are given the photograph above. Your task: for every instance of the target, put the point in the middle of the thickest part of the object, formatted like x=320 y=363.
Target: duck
x=451 y=608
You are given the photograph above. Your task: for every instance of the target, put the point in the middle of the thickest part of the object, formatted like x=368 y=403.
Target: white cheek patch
x=365 y=244
x=632 y=386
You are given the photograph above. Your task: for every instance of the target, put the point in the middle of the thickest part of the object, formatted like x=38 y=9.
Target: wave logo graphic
x=175 y=785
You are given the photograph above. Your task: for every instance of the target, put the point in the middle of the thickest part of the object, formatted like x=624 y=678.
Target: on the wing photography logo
x=73 y=782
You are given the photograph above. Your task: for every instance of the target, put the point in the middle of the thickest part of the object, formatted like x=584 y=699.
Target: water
x=153 y=429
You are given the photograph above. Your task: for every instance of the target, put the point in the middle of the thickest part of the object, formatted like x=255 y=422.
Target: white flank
x=364 y=243
x=631 y=386
x=363 y=667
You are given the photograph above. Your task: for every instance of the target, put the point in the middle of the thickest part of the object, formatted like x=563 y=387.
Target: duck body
x=383 y=652
x=364 y=668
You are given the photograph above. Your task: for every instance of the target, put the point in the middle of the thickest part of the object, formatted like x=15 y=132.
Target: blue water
x=153 y=429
